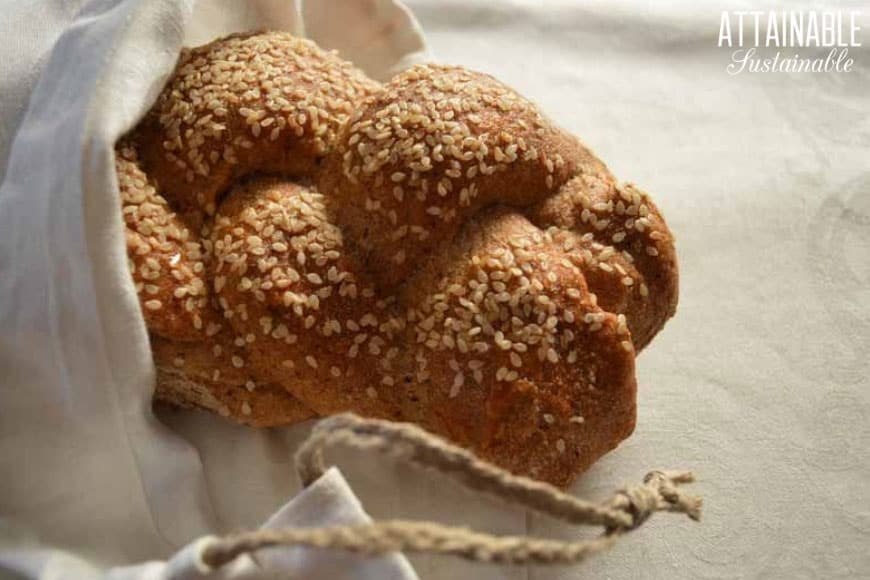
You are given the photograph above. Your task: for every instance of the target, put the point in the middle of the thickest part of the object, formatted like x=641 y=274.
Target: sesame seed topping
x=346 y=271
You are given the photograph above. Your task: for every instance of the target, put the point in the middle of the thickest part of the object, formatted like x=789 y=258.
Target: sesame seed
x=421 y=156
x=458 y=381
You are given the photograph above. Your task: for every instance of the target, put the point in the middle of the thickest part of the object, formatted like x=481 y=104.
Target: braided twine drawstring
x=625 y=511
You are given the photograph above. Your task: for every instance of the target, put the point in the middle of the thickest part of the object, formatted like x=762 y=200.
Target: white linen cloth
x=85 y=465
x=327 y=501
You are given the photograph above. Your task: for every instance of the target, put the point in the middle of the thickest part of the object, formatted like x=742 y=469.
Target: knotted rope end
x=667 y=483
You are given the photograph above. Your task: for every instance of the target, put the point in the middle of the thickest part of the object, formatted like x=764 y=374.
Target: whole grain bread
x=306 y=241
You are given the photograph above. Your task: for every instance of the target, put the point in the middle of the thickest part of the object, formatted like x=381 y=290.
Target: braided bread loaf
x=306 y=241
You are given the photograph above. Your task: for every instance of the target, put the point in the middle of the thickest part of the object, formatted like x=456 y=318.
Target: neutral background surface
x=760 y=382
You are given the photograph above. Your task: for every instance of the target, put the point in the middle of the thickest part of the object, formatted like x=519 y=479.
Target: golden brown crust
x=624 y=248
x=512 y=357
x=433 y=250
x=438 y=144
x=244 y=103
x=190 y=375
x=199 y=360
x=165 y=257
x=282 y=274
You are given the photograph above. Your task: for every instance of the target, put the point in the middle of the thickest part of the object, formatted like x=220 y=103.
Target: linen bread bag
x=78 y=376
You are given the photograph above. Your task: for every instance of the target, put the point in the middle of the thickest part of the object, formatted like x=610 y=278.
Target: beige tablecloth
x=760 y=383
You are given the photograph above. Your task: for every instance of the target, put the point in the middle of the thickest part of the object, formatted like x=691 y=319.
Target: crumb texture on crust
x=305 y=241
